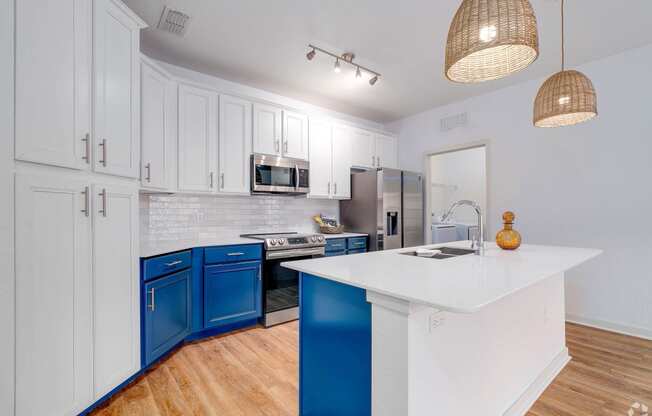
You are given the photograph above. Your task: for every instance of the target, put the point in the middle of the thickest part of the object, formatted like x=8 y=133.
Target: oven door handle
x=286 y=254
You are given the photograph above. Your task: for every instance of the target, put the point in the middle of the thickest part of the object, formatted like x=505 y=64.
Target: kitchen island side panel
x=334 y=349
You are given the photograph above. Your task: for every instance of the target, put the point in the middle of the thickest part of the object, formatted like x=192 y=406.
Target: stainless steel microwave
x=274 y=174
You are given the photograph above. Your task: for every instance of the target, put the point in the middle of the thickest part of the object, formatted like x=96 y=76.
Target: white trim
x=389 y=302
x=623 y=329
x=140 y=23
x=534 y=391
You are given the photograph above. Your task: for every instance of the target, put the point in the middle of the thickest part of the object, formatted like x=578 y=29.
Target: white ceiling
x=263 y=43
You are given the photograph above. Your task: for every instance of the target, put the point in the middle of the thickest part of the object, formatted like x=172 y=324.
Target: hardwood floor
x=254 y=372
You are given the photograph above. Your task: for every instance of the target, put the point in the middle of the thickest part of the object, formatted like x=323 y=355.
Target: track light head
x=373 y=80
x=358 y=74
x=311 y=55
x=337 y=68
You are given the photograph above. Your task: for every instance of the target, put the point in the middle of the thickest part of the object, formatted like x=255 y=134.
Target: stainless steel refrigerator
x=387 y=204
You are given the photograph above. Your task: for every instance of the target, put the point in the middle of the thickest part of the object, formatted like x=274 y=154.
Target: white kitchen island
x=384 y=333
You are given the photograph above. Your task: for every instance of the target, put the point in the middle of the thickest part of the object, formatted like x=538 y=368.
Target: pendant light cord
x=563 y=52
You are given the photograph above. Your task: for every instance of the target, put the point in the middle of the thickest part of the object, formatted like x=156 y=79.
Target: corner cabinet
x=197 y=139
x=330 y=160
x=116 y=34
x=156 y=126
x=232 y=293
x=234 y=145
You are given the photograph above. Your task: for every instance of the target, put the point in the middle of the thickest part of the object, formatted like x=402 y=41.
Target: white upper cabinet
x=341 y=162
x=53 y=296
x=117 y=89
x=330 y=160
x=234 y=145
x=295 y=135
x=116 y=313
x=267 y=122
x=386 y=151
x=197 y=139
x=156 y=131
x=363 y=147
x=53 y=82
x=321 y=150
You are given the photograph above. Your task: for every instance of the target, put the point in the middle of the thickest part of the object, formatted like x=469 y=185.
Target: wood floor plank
x=255 y=373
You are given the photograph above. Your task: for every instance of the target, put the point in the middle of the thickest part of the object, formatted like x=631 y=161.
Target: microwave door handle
x=296 y=177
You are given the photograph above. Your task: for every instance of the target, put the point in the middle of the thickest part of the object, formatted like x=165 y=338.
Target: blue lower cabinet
x=335 y=253
x=166 y=314
x=356 y=251
x=232 y=293
x=334 y=349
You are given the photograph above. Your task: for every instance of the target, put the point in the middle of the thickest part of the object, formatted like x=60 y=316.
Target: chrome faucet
x=478 y=245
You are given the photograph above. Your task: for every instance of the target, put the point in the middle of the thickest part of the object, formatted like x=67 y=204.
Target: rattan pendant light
x=490 y=39
x=566 y=98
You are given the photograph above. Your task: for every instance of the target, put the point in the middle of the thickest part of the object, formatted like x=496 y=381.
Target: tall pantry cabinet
x=77 y=124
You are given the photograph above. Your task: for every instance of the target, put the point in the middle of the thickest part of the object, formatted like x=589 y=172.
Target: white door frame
x=428 y=188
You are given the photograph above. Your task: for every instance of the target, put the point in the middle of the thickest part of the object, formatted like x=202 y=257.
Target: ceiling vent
x=453 y=122
x=173 y=21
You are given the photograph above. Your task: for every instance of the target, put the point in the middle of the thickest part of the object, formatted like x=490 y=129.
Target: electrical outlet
x=437 y=319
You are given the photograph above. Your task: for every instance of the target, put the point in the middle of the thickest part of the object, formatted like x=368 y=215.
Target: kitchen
x=165 y=162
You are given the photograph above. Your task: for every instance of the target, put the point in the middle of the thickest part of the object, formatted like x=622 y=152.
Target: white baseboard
x=611 y=326
x=534 y=391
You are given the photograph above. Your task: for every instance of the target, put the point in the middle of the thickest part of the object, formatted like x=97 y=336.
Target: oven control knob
x=281 y=241
x=321 y=238
x=273 y=241
x=313 y=238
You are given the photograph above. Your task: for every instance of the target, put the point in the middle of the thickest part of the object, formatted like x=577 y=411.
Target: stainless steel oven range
x=281 y=285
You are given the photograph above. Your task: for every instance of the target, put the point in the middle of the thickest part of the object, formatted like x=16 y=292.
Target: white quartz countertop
x=156 y=248
x=463 y=284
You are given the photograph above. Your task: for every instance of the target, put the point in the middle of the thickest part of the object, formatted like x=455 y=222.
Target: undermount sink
x=446 y=253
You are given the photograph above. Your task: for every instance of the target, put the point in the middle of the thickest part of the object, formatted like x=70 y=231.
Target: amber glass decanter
x=508 y=238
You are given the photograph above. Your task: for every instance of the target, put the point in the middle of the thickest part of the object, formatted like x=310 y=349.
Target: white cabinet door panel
x=53 y=297
x=320 y=158
x=363 y=147
x=116 y=312
x=234 y=145
x=295 y=135
x=197 y=139
x=155 y=126
x=341 y=162
x=53 y=82
x=117 y=91
x=386 y=151
x=267 y=122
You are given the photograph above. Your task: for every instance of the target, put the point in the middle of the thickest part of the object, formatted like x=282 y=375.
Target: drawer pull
x=174 y=263
x=152 y=305
x=239 y=253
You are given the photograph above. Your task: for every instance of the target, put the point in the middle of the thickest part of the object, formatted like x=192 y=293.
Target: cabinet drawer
x=357 y=243
x=335 y=253
x=336 y=244
x=356 y=251
x=162 y=265
x=227 y=254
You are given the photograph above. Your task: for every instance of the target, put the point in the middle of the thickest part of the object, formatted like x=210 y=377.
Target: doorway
x=454 y=175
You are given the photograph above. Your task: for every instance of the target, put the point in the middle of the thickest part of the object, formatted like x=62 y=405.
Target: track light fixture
x=346 y=58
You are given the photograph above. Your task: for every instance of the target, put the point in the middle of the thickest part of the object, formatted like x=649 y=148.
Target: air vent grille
x=173 y=21
x=453 y=122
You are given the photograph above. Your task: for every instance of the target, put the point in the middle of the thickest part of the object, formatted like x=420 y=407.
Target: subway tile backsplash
x=182 y=217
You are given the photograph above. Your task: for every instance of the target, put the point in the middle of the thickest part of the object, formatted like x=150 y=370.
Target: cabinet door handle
x=211 y=176
x=373 y=161
x=152 y=305
x=277 y=146
x=285 y=146
x=103 y=146
x=238 y=253
x=222 y=180
x=335 y=188
x=86 y=202
x=87 y=148
x=378 y=161
x=174 y=263
x=148 y=169
x=329 y=187
x=103 y=195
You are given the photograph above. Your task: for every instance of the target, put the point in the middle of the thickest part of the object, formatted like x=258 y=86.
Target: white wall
x=6 y=210
x=455 y=176
x=587 y=185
